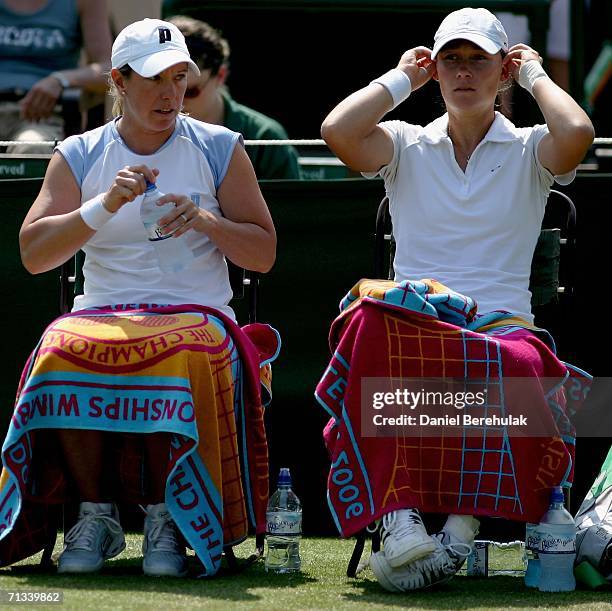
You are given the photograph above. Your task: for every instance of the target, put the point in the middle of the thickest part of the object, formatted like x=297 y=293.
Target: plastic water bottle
x=478 y=560
x=557 y=551
x=284 y=527
x=532 y=545
x=173 y=254
x=495 y=558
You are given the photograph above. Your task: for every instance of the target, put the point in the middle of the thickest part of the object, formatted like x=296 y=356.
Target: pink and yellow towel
x=184 y=370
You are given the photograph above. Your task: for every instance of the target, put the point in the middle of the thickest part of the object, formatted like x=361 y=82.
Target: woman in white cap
x=90 y=200
x=467 y=195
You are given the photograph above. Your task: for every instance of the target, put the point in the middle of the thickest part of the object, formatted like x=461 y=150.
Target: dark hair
x=207 y=47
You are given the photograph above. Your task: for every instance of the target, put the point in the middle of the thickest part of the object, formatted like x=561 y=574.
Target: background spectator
x=557 y=41
x=124 y=12
x=207 y=99
x=40 y=42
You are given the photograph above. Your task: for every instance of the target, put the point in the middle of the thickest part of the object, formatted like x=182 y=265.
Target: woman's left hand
x=185 y=216
x=518 y=55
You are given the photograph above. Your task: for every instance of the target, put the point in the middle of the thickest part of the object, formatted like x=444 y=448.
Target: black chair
x=17 y=196
x=558 y=232
x=549 y=279
x=77 y=118
x=244 y=283
x=71 y=111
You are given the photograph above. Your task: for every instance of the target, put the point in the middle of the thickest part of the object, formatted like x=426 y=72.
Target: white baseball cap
x=478 y=25
x=150 y=46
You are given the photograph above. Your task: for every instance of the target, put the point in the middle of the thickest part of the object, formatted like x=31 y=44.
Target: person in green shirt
x=207 y=99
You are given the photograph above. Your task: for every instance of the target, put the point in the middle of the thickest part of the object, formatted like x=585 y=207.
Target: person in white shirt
x=89 y=200
x=557 y=38
x=467 y=195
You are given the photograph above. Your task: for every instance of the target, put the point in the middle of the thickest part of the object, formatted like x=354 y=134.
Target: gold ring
x=184 y=218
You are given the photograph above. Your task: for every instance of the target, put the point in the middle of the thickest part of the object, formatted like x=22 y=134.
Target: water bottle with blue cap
x=173 y=254
x=284 y=527
x=557 y=546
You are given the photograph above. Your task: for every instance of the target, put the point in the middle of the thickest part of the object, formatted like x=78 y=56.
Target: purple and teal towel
x=421 y=330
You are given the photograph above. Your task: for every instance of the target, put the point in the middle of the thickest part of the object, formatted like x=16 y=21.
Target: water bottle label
x=557 y=544
x=284 y=523
x=532 y=541
x=154 y=232
x=478 y=560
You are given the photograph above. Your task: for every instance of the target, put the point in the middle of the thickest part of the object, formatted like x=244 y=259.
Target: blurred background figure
x=586 y=76
x=557 y=52
x=121 y=13
x=40 y=45
x=207 y=99
x=557 y=43
x=124 y=12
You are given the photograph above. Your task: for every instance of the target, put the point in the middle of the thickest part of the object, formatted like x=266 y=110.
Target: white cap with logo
x=478 y=25
x=150 y=46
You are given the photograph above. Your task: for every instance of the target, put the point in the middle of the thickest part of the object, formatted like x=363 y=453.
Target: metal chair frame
x=384 y=250
x=244 y=283
x=384 y=253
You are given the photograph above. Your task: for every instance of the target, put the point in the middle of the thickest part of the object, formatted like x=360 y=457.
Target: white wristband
x=529 y=72
x=94 y=214
x=397 y=83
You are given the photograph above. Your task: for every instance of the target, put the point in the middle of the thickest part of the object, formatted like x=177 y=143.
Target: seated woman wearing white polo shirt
x=467 y=195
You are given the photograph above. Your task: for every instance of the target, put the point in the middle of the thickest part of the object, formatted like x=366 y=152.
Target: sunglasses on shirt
x=193 y=92
x=196 y=90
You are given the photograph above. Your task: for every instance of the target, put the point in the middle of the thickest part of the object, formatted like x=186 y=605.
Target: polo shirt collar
x=501 y=130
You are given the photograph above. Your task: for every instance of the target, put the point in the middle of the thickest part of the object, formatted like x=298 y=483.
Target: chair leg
x=70 y=515
x=56 y=517
x=46 y=561
x=351 y=570
x=67 y=516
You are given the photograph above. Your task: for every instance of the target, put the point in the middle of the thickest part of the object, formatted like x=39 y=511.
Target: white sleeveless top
x=121 y=265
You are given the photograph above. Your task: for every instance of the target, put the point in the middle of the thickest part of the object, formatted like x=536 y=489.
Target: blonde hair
x=114 y=93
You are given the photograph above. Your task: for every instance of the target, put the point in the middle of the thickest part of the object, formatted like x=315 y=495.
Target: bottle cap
x=284 y=477
x=557 y=496
x=150 y=185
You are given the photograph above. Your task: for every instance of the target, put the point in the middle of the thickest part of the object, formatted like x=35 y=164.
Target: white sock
x=98 y=507
x=463 y=528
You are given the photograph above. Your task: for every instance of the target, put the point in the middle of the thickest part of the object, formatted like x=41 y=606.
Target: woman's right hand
x=129 y=183
x=418 y=65
x=40 y=101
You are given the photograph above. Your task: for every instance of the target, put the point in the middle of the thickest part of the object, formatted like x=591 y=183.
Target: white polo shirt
x=475 y=231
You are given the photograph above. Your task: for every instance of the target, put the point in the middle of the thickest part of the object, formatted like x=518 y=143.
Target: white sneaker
x=458 y=535
x=95 y=537
x=404 y=537
x=162 y=547
x=457 y=550
x=435 y=568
